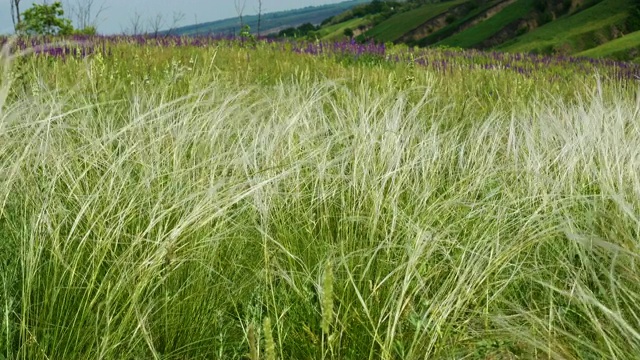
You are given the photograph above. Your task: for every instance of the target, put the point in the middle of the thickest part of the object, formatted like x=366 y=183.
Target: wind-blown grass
x=432 y=219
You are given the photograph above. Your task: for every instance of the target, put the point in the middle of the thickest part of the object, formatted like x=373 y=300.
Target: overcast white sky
x=117 y=14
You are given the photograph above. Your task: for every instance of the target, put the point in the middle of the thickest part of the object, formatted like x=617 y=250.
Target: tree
x=156 y=24
x=136 y=25
x=259 y=15
x=15 y=13
x=245 y=34
x=348 y=32
x=305 y=29
x=240 y=10
x=45 y=19
x=85 y=16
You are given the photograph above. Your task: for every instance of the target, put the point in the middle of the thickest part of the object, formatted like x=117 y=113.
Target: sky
x=118 y=14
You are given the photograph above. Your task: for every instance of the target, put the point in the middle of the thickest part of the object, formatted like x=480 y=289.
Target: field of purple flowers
x=435 y=59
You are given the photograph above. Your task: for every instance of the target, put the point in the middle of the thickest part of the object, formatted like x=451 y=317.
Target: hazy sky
x=117 y=14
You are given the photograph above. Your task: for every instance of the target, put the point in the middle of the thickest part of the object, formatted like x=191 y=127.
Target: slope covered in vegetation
x=475 y=35
x=455 y=22
x=584 y=30
x=541 y=26
x=337 y=30
x=399 y=24
x=625 y=48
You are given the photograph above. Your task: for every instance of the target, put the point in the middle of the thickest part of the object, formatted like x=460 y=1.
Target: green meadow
x=241 y=201
x=622 y=48
x=475 y=35
x=395 y=27
x=337 y=31
x=584 y=30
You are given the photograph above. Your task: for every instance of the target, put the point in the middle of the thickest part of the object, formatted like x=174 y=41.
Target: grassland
x=398 y=25
x=237 y=200
x=623 y=48
x=337 y=31
x=576 y=32
x=482 y=31
x=530 y=26
x=453 y=27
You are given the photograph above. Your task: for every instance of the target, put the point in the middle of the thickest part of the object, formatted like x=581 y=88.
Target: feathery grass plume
x=6 y=326
x=5 y=62
x=270 y=345
x=327 y=298
x=254 y=353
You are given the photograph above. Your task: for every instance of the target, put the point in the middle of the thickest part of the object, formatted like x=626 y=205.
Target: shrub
x=348 y=32
x=450 y=19
x=45 y=20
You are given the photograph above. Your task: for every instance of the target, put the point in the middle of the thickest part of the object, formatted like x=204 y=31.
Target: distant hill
x=625 y=48
x=270 y=22
x=598 y=24
x=579 y=27
x=596 y=28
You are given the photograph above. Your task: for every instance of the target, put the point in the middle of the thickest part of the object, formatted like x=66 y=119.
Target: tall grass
x=312 y=216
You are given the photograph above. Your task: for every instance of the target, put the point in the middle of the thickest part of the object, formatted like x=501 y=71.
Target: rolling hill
x=598 y=28
x=587 y=29
x=398 y=26
x=583 y=27
x=337 y=30
x=476 y=35
x=626 y=48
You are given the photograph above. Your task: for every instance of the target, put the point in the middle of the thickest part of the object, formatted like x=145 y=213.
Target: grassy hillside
x=577 y=32
x=477 y=34
x=539 y=26
x=397 y=25
x=452 y=28
x=625 y=48
x=337 y=30
x=583 y=27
